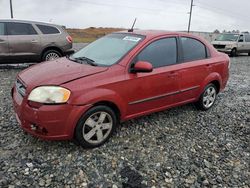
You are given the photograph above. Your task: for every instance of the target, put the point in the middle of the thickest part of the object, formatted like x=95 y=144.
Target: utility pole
x=11 y=10
x=190 y=14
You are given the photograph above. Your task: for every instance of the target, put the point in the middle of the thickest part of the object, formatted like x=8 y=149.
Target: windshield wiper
x=84 y=60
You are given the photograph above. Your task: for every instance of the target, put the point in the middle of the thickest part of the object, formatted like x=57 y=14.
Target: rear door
x=196 y=66
x=52 y=36
x=4 y=44
x=159 y=88
x=24 y=41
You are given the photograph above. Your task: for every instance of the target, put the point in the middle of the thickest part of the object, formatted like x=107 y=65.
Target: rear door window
x=2 y=28
x=193 y=49
x=48 y=29
x=20 y=29
x=160 y=53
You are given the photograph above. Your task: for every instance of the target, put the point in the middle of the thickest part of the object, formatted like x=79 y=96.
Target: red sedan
x=118 y=77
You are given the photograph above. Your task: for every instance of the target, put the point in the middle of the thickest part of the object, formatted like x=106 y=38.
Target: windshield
x=227 y=37
x=108 y=50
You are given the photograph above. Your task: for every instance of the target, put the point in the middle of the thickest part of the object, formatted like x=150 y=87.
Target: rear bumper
x=224 y=81
x=49 y=122
x=225 y=50
x=69 y=52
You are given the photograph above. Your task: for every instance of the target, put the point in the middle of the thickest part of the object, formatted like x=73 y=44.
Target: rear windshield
x=45 y=29
x=108 y=50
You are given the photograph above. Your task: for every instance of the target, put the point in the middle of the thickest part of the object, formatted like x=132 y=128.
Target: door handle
x=172 y=74
x=34 y=41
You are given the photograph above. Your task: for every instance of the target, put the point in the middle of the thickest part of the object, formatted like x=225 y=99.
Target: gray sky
x=208 y=15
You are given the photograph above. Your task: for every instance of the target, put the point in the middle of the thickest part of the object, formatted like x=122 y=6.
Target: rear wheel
x=248 y=53
x=95 y=127
x=208 y=97
x=233 y=52
x=50 y=55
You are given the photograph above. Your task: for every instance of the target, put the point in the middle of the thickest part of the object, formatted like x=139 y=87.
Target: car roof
x=155 y=33
x=151 y=34
x=236 y=33
x=28 y=21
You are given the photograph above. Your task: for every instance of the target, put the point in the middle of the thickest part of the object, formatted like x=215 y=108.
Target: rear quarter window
x=45 y=29
x=193 y=49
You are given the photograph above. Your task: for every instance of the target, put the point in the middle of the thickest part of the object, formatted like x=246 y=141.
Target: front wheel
x=95 y=127
x=233 y=52
x=208 y=97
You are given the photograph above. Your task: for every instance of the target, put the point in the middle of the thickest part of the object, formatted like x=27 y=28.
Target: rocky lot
x=180 y=147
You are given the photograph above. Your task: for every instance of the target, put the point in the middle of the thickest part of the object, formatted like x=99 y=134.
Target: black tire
x=201 y=104
x=248 y=53
x=233 y=52
x=83 y=128
x=49 y=53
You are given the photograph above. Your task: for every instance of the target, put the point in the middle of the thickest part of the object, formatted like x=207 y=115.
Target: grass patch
x=90 y=34
x=83 y=40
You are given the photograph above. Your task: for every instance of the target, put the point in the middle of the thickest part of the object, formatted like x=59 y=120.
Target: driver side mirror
x=142 y=66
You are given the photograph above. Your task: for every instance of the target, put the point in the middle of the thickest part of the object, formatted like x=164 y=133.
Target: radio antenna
x=132 y=28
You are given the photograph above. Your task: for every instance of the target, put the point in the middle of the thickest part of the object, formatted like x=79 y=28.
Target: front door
x=4 y=44
x=151 y=91
x=241 y=44
x=247 y=43
x=24 y=42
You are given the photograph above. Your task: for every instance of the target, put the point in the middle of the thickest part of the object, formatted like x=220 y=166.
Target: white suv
x=233 y=43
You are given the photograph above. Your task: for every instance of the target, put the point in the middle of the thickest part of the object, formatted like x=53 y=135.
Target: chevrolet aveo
x=118 y=77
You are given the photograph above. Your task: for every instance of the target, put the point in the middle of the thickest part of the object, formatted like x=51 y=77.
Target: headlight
x=230 y=46
x=49 y=94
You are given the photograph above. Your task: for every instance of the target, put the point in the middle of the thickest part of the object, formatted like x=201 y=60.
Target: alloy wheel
x=209 y=97
x=51 y=56
x=97 y=127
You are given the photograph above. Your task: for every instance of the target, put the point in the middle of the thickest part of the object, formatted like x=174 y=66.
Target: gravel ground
x=180 y=147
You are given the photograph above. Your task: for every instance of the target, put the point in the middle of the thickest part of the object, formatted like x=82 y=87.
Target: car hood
x=224 y=42
x=57 y=72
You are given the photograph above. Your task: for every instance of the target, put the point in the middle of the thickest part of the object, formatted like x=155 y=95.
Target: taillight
x=69 y=39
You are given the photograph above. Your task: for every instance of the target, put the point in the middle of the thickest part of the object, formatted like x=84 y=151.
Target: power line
x=223 y=11
x=151 y=10
x=117 y=5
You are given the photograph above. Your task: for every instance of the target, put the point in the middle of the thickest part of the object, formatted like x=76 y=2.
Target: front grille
x=219 y=46
x=20 y=87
